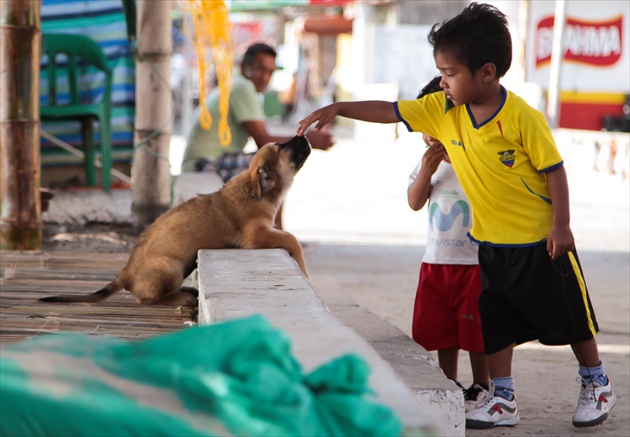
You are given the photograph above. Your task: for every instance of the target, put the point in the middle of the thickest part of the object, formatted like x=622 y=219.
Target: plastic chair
x=77 y=52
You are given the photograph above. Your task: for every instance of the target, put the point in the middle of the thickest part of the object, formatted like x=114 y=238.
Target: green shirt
x=245 y=105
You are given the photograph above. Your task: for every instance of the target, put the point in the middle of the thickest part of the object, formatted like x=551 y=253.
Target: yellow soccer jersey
x=501 y=164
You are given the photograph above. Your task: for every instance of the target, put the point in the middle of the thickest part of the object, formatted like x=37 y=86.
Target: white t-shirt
x=450 y=218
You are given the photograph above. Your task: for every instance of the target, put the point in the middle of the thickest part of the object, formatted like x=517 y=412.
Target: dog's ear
x=261 y=183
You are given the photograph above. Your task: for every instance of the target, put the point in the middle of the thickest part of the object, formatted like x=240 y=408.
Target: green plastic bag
x=234 y=378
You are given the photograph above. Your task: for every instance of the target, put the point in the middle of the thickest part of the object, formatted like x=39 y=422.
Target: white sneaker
x=492 y=410
x=472 y=395
x=594 y=404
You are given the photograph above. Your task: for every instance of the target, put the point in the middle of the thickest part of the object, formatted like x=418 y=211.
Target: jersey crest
x=507 y=157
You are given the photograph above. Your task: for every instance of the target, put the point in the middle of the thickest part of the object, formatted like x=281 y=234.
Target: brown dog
x=239 y=215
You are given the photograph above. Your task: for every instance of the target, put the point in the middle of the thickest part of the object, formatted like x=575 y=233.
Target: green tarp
x=234 y=378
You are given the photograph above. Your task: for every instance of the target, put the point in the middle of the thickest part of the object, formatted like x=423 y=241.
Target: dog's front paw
x=190 y=290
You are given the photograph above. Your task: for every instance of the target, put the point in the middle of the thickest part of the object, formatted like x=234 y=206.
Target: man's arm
x=560 y=238
x=376 y=111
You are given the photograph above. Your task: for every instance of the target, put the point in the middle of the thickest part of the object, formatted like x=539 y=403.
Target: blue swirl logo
x=443 y=221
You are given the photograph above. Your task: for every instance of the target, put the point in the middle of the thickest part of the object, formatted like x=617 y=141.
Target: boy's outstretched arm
x=560 y=238
x=376 y=111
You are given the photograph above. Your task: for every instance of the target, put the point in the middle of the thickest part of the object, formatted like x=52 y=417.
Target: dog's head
x=272 y=169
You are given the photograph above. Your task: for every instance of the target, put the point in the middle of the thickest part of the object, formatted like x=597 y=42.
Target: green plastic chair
x=79 y=50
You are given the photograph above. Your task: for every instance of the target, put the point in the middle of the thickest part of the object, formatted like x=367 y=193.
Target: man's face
x=260 y=71
x=458 y=83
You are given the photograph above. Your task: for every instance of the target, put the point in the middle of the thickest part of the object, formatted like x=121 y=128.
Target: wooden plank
x=86 y=312
x=59 y=325
x=49 y=274
x=27 y=276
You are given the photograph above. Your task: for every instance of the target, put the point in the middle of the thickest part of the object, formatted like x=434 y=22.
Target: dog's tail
x=98 y=296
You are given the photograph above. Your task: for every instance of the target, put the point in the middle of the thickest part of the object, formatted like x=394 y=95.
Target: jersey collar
x=478 y=125
x=448 y=105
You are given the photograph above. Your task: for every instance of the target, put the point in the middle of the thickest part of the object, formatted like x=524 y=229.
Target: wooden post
x=20 y=50
x=153 y=123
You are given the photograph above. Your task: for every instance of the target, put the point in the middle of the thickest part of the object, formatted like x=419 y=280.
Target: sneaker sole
x=595 y=422
x=480 y=424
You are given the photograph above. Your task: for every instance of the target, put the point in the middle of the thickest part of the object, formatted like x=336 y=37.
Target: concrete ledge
x=434 y=393
x=238 y=283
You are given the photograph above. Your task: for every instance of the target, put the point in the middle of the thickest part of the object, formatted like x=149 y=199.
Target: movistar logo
x=443 y=221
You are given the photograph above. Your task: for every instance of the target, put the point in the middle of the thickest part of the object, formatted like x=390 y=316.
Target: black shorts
x=525 y=296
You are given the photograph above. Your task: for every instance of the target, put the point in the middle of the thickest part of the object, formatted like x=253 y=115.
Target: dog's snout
x=300 y=149
x=297 y=142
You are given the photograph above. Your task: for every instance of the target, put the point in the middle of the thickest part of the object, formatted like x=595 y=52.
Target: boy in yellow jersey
x=505 y=158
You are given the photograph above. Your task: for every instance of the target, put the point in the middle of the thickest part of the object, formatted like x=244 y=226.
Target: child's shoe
x=492 y=410
x=594 y=404
x=472 y=395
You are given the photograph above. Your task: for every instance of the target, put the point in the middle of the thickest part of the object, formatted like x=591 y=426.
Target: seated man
x=246 y=119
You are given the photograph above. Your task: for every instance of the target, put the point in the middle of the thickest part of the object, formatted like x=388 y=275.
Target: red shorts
x=446 y=312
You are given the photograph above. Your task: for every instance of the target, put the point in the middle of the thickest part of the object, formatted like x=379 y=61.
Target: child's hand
x=432 y=158
x=434 y=154
x=322 y=116
x=430 y=141
x=560 y=241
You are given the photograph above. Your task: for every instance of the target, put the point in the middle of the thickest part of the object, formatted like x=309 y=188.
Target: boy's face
x=458 y=83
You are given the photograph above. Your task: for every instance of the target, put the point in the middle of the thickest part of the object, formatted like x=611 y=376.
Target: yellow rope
x=211 y=29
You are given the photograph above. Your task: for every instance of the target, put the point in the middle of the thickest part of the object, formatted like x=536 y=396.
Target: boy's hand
x=560 y=241
x=322 y=116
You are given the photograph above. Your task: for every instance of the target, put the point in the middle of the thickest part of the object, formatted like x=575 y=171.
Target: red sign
x=596 y=43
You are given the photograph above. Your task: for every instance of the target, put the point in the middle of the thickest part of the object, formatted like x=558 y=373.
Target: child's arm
x=420 y=189
x=560 y=238
x=376 y=111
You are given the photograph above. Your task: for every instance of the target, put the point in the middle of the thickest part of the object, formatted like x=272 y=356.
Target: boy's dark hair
x=254 y=49
x=478 y=35
x=432 y=87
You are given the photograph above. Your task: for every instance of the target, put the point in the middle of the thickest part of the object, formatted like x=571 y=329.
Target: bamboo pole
x=153 y=123
x=20 y=50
